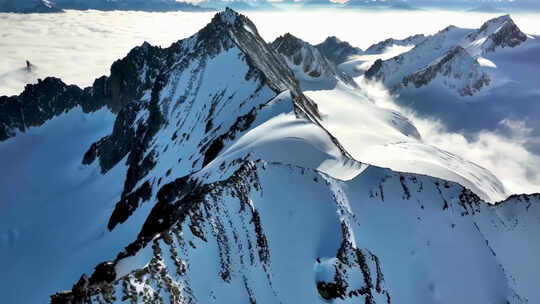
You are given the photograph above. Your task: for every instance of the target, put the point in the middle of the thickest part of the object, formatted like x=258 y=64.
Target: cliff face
x=309 y=65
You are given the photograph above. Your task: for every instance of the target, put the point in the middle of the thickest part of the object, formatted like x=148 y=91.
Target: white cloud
x=79 y=46
x=505 y=155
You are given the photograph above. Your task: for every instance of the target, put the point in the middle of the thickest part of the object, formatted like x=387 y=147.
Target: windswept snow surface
x=54 y=209
x=290 y=140
x=386 y=138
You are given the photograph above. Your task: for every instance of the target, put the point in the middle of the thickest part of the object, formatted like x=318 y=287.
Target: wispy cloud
x=504 y=152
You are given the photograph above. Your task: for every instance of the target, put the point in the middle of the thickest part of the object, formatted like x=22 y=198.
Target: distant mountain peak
x=336 y=50
x=498 y=32
x=332 y=39
x=382 y=45
x=500 y=20
x=228 y=16
x=308 y=63
x=458 y=69
x=448 y=29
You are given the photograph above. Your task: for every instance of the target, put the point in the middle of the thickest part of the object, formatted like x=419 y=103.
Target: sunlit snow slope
x=376 y=135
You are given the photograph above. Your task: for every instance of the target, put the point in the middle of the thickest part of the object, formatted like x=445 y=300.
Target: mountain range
x=227 y=169
x=54 y=6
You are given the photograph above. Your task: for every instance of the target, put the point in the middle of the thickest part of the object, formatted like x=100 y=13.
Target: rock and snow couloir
x=310 y=67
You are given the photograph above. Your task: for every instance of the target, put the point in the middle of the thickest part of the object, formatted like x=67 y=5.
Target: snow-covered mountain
x=382 y=137
x=380 y=47
x=208 y=175
x=312 y=68
x=450 y=58
x=497 y=33
x=457 y=70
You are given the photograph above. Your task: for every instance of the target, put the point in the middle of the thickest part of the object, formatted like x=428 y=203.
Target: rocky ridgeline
x=448 y=58
x=381 y=46
x=337 y=51
x=499 y=32
x=456 y=64
x=309 y=60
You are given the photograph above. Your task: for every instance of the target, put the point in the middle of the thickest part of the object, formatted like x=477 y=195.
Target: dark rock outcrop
x=47 y=99
x=467 y=82
x=337 y=51
x=501 y=32
x=302 y=55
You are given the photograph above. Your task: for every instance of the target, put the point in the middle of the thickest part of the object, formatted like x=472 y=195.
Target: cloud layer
x=504 y=151
x=79 y=46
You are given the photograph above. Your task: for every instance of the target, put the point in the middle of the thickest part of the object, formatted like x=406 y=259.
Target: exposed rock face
x=48 y=98
x=130 y=78
x=337 y=51
x=229 y=219
x=374 y=72
x=144 y=83
x=308 y=62
x=500 y=32
x=451 y=46
x=349 y=260
x=191 y=216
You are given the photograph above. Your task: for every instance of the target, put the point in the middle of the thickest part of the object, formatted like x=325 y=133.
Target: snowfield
x=387 y=139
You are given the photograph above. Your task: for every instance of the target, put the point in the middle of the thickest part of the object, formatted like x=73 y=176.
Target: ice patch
x=486 y=62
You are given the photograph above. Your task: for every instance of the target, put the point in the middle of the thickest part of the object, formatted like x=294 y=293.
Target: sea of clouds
x=79 y=46
x=504 y=150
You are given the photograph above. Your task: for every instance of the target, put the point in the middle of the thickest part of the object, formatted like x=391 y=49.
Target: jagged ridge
x=308 y=62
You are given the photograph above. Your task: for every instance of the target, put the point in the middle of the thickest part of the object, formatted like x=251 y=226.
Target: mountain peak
x=495 y=24
x=336 y=50
x=500 y=19
x=228 y=16
x=287 y=43
x=448 y=29
x=332 y=39
x=308 y=62
x=379 y=47
x=458 y=70
x=498 y=32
